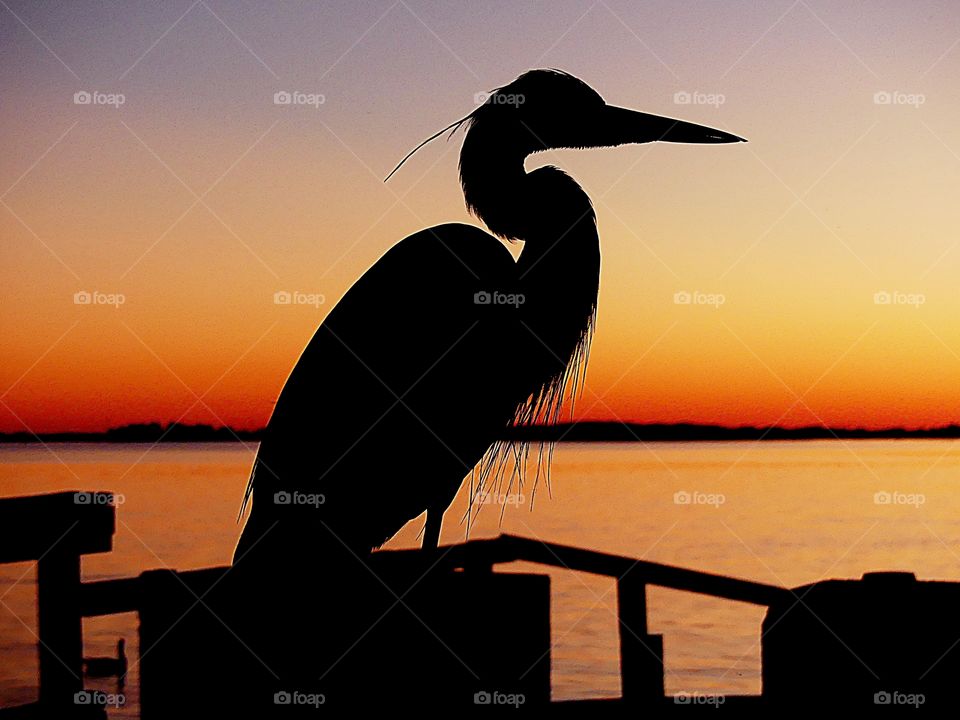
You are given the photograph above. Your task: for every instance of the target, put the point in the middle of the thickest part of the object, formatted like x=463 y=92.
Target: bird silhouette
x=101 y=667
x=414 y=376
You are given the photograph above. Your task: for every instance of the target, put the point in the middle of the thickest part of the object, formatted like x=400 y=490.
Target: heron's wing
x=406 y=372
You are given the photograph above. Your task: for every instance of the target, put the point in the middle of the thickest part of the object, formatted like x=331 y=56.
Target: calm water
x=783 y=513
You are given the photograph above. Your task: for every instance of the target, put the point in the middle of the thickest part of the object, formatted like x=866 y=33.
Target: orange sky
x=847 y=189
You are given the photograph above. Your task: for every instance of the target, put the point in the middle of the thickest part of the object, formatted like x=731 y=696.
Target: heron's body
x=378 y=395
x=412 y=377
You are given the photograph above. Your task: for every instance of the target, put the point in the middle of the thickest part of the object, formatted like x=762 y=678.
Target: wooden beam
x=641 y=654
x=30 y=526
x=59 y=627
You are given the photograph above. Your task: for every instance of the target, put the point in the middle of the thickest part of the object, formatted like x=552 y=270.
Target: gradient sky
x=199 y=198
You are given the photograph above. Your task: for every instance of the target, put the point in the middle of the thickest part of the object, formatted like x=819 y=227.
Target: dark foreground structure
x=419 y=629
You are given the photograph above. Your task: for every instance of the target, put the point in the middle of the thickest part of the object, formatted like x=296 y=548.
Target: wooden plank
x=55 y=530
x=108 y=597
x=510 y=548
x=641 y=654
x=30 y=526
x=59 y=628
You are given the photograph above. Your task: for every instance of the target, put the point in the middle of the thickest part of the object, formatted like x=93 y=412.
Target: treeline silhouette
x=600 y=431
x=140 y=433
x=582 y=432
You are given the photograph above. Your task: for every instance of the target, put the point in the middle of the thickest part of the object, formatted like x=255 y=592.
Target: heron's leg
x=431 y=531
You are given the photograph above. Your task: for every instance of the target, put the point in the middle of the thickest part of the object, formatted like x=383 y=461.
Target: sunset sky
x=182 y=189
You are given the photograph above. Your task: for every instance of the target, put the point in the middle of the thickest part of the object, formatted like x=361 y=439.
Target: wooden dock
x=56 y=530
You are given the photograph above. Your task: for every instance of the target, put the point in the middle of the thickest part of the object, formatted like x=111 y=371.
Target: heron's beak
x=620 y=126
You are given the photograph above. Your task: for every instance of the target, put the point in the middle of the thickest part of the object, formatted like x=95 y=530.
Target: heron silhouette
x=446 y=341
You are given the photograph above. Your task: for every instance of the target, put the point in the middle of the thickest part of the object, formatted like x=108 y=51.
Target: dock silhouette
x=886 y=639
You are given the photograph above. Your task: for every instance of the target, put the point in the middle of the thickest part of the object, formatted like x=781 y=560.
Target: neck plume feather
x=558 y=272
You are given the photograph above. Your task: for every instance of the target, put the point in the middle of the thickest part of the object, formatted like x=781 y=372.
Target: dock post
x=54 y=531
x=641 y=654
x=59 y=625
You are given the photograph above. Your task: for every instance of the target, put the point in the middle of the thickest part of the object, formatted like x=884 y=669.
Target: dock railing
x=56 y=530
x=641 y=654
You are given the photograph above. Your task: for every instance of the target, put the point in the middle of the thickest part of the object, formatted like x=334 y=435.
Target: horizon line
x=567 y=431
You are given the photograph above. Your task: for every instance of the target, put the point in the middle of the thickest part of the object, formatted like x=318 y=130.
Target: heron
x=413 y=379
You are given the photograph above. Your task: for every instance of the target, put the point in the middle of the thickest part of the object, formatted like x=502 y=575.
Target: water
x=785 y=513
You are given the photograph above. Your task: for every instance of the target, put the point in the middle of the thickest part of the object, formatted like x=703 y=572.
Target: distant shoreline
x=578 y=432
x=139 y=433
x=690 y=432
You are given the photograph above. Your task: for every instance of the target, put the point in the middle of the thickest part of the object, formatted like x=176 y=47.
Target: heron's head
x=548 y=109
x=543 y=110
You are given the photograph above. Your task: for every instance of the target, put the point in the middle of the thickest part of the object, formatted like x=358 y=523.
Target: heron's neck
x=496 y=187
x=545 y=208
x=559 y=268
